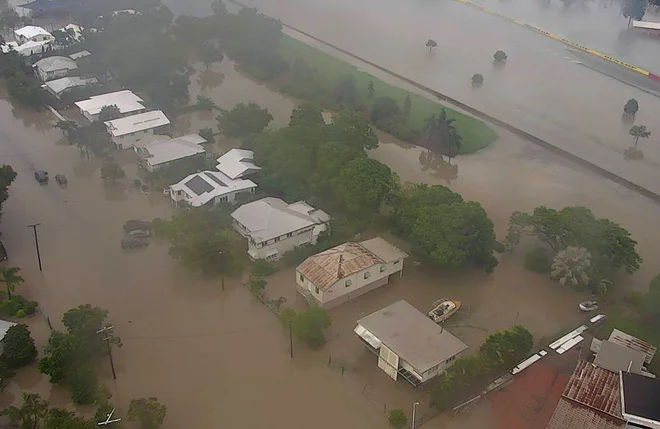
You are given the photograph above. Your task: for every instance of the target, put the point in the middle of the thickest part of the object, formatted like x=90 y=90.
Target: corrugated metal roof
x=627 y=340
x=591 y=400
x=325 y=268
x=140 y=122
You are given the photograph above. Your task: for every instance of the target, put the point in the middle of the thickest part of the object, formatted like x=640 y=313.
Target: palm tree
x=32 y=411
x=639 y=131
x=442 y=133
x=571 y=264
x=9 y=276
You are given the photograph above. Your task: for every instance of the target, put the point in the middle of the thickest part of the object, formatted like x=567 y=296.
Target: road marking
x=568 y=42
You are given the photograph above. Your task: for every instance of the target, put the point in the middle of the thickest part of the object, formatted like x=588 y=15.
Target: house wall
x=39 y=38
x=53 y=74
x=230 y=197
x=352 y=286
x=128 y=141
x=282 y=244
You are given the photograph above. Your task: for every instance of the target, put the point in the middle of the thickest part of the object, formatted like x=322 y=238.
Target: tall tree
x=243 y=119
x=10 y=277
x=572 y=265
x=148 y=412
x=306 y=115
x=18 y=347
x=353 y=129
x=364 y=184
x=30 y=414
x=431 y=44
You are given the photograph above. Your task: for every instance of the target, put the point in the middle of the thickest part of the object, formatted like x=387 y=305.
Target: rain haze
x=523 y=194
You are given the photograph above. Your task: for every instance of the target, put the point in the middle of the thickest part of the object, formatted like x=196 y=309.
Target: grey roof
x=55 y=63
x=412 y=336
x=198 y=185
x=62 y=84
x=271 y=217
x=4 y=327
x=384 y=250
x=80 y=54
x=616 y=357
x=634 y=343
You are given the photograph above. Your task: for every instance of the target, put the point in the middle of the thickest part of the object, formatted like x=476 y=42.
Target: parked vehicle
x=133 y=242
x=41 y=176
x=443 y=309
x=588 y=306
x=61 y=179
x=139 y=233
x=135 y=225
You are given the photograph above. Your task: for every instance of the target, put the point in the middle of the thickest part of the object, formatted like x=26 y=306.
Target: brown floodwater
x=220 y=357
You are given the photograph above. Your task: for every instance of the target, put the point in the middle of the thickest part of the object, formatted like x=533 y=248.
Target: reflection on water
x=441 y=169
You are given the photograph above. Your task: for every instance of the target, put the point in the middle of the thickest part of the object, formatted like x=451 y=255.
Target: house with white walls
x=158 y=151
x=32 y=33
x=127 y=103
x=209 y=187
x=272 y=227
x=125 y=132
x=349 y=270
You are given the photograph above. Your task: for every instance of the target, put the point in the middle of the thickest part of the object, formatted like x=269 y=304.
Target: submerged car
x=133 y=242
x=144 y=233
x=137 y=225
x=41 y=176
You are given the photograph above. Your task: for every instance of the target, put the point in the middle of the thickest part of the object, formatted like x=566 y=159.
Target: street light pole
x=36 y=242
x=412 y=421
x=107 y=342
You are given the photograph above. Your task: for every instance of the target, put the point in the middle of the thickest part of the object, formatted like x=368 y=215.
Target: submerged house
x=159 y=151
x=125 y=132
x=125 y=101
x=209 y=187
x=408 y=344
x=349 y=270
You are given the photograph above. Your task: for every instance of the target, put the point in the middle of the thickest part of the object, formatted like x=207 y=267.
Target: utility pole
x=108 y=420
x=107 y=342
x=290 y=339
x=36 y=242
x=412 y=421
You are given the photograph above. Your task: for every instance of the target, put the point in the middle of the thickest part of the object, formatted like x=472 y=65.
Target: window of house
x=289 y=235
x=451 y=359
x=395 y=262
x=382 y=268
x=302 y=278
x=348 y=283
x=317 y=289
x=366 y=275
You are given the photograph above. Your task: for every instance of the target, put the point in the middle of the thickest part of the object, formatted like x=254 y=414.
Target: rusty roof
x=591 y=400
x=325 y=268
x=633 y=343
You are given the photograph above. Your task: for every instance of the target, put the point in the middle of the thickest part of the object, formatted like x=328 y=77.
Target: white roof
x=59 y=85
x=80 y=54
x=55 y=63
x=200 y=188
x=9 y=46
x=135 y=123
x=31 y=48
x=646 y=25
x=4 y=327
x=160 y=151
x=125 y=101
x=30 y=31
x=269 y=217
x=236 y=162
x=77 y=30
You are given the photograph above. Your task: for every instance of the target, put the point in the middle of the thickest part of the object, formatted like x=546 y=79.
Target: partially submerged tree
x=639 y=131
x=500 y=56
x=111 y=172
x=148 y=412
x=631 y=107
x=364 y=184
x=308 y=325
x=306 y=115
x=10 y=277
x=31 y=412
x=243 y=119
x=397 y=418
x=431 y=44
x=477 y=80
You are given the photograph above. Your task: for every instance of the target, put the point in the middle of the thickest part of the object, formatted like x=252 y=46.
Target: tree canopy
x=148 y=412
x=306 y=115
x=609 y=244
x=364 y=184
x=18 y=347
x=243 y=119
x=308 y=325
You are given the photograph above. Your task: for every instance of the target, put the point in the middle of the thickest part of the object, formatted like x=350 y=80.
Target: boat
x=443 y=309
x=588 y=305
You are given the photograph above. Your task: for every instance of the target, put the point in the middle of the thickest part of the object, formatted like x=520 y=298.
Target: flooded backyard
x=220 y=356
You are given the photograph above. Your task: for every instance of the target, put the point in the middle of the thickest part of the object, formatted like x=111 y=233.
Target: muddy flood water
x=220 y=358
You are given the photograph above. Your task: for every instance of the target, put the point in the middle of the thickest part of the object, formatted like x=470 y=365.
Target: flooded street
x=219 y=357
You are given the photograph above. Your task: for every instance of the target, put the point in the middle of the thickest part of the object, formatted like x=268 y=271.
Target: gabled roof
x=80 y=54
x=591 y=400
x=268 y=218
x=633 y=343
x=236 y=162
x=30 y=31
x=641 y=397
x=412 y=336
x=160 y=151
x=200 y=188
x=140 y=122
x=55 y=63
x=60 y=85
x=332 y=265
x=125 y=101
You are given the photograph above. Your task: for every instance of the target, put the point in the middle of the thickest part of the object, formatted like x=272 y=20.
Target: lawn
x=475 y=133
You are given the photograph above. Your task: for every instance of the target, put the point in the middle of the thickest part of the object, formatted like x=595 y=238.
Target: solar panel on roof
x=198 y=185
x=215 y=179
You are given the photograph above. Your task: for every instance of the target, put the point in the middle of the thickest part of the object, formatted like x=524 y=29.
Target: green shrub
x=397 y=418
x=20 y=313
x=499 y=247
x=633 y=154
x=19 y=349
x=263 y=268
x=384 y=108
x=399 y=128
x=538 y=261
x=9 y=308
x=257 y=285
x=84 y=386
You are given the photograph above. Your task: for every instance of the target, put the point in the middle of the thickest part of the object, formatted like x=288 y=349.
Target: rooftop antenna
x=109 y=419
